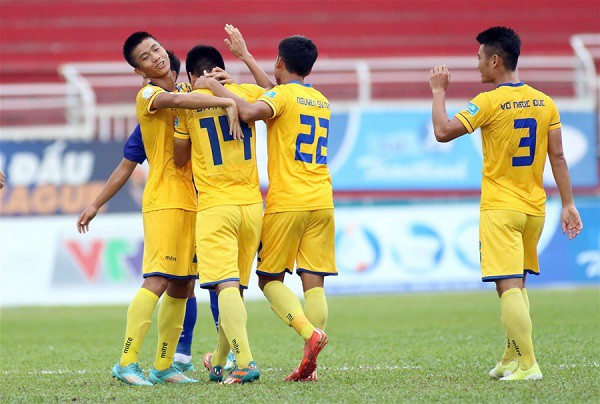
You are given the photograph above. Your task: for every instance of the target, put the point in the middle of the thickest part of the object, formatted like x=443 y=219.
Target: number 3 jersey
x=297 y=133
x=225 y=171
x=514 y=120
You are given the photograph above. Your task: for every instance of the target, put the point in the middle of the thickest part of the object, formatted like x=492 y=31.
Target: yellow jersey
x=225 y=170
x=514 y=120
x=299 y=178
x=167 y=186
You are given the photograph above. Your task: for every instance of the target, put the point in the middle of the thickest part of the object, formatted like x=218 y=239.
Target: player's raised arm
x=570 y=219
x=444 y=129
x=257 y=111
x=116 y=181
x=237 y=46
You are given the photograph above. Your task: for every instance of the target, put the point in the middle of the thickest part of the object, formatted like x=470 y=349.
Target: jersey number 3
x=213 y=137
x=309 y=138
x=526 y=141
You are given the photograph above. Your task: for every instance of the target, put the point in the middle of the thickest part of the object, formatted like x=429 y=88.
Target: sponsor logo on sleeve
x=472 y=109
x=270 y=94
x=176 y=121
x=148 y=91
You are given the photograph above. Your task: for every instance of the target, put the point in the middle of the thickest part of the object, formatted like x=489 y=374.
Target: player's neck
x=507 y=77
x=289 y=77
x=165 y=82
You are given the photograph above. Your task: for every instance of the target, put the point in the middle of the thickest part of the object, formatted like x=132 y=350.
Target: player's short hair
x=203 y=57
x=131 y=42
x=298 y=53
x=175 y=62
x=503 y=42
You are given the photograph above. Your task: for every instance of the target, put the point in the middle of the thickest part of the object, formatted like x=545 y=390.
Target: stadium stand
x=37 y=35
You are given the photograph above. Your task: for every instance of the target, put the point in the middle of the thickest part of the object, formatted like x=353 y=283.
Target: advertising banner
x=379 y=249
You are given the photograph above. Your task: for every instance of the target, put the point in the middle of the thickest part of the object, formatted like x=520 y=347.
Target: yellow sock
x=170 y=324
x=315 y=307
x=288 y=308
x=517 y=324
x=526 y=298
x=233 y=317
x=139 y=318
x=219 y=357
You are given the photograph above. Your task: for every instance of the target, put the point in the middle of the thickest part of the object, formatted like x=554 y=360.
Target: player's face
x=152 y=59
x=484 y=66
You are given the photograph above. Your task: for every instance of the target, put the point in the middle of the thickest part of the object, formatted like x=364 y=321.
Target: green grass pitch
x=390 y=348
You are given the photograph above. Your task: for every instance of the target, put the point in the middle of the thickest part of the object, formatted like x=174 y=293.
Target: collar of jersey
x=297 y=82
x=152 y=84
x=519 y=84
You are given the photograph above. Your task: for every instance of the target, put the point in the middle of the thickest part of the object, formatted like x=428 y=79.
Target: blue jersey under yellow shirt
x=297 y=132
x=514 y=120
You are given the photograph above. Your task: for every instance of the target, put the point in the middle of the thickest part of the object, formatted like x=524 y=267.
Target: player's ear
x=279 y=63
x=139 y=72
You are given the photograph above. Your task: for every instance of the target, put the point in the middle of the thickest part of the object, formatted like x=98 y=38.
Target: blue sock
x=214 y=306
x=185 y=340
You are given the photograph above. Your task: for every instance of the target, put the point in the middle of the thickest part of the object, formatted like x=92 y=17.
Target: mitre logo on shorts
x=472 y=109
x=148 y=91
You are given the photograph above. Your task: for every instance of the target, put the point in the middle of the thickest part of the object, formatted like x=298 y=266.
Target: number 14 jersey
x=225 y=171
x=514 y=120
x=297 y=132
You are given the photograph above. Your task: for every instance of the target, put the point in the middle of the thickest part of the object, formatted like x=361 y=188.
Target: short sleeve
x=146 y=98
x=275 y=99
x=134 y=147
x=477 y=112
x=555 y=120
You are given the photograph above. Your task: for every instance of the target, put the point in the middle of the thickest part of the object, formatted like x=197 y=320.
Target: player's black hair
x=131 y=42
x=203 y=57
x=298 y=54
x=175 y=62
x=503 y=42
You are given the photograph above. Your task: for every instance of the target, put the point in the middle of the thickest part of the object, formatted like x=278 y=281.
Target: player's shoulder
x=148 y=91
x=534 y=92
x=246 y=90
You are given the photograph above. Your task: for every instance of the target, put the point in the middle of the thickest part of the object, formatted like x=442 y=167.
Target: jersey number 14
x=213 y=137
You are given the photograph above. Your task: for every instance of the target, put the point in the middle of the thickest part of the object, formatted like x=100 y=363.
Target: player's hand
x=571 y=221
x=204 y=82
x=236 y=43
x=83 y=222
x=439 y=78
x=220 y=75
x=235 y=129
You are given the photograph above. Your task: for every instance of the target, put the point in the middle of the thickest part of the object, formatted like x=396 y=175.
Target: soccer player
x=519 y=127
x=298 y=226
x=168 y=209
x=230 y=209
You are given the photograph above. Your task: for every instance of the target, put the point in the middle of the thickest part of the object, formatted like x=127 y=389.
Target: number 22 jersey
x=299 y=178
x=514 y=119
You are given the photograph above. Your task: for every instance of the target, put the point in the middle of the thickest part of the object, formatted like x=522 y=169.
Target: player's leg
x=501 y=253
x=280 y=240
x=522 y=325
x=182 y=359
x=139 y=319
x=174 y=260
x=141 y=308
x=316 y=259
x=217 y=247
